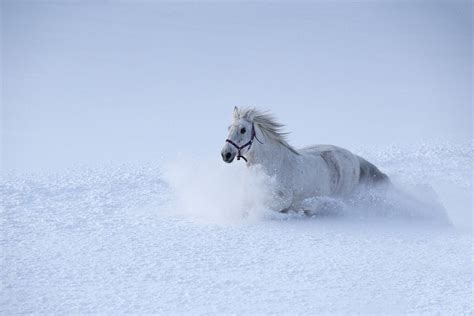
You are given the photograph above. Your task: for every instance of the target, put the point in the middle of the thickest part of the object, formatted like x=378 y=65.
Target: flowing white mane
x=268 y=124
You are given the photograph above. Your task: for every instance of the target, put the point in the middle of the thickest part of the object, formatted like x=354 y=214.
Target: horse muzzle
x=228 y=156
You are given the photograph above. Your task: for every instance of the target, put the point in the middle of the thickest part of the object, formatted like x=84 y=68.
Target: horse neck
x=271 y=154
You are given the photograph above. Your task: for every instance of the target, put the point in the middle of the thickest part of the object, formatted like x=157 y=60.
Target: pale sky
x=92 y=82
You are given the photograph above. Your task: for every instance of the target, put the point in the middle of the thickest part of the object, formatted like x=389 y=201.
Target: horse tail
x=370 y=174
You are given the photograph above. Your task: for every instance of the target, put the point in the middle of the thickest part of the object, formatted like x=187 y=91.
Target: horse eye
x=242 y=130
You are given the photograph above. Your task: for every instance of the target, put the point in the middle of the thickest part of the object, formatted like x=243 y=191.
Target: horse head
x=241 y=136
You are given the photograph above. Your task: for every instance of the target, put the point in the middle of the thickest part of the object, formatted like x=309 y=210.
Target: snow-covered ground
x=155 y=238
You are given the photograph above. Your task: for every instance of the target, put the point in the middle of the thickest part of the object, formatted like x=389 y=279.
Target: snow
x=170 y=238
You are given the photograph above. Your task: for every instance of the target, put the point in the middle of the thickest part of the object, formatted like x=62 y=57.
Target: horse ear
x=250 y=114
x=236 y=114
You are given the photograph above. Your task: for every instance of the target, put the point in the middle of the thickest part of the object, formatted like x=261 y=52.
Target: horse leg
x=281 y=200
x=322 y=206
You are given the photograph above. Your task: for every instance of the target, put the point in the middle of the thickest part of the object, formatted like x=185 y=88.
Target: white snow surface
x=182 y=238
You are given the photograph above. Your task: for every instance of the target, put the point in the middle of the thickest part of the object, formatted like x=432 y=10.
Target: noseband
x=247 y=144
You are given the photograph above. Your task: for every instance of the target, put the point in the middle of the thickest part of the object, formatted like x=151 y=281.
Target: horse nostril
x=227 y=156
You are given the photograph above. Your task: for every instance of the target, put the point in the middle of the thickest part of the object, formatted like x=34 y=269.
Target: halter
x=249 y=144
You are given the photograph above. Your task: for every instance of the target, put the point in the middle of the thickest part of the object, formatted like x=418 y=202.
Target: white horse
x=300 y=174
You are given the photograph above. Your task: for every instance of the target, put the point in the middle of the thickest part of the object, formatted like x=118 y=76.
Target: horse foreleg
x=321 y=206
x=281 y=200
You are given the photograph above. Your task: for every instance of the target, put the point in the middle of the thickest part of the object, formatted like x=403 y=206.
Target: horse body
x=321 y=170
x=341 y=165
